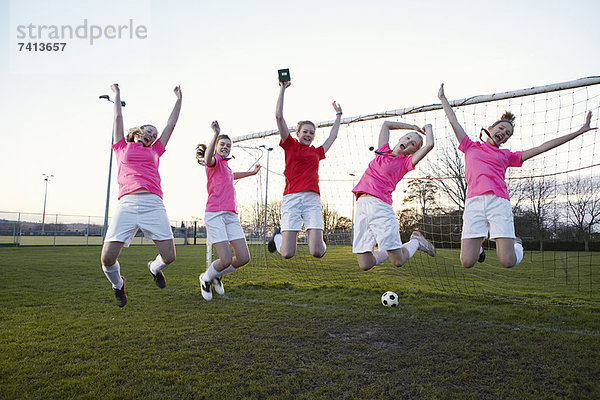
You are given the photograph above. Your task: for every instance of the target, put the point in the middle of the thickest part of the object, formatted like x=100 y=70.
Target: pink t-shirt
x=301 y=166
x=383 y=174
x=221 y=194
x=485 y=167
x=138 y=167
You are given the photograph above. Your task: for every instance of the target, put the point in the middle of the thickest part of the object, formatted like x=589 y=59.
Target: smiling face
x=306 y=134
x=223 y=147
x=408 y=144
x=501 y=132
x=147 y=136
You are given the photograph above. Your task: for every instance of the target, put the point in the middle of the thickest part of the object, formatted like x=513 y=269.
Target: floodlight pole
x=47 y=179
x=112 y=141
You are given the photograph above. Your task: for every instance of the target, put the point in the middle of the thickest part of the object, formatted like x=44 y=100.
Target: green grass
x=280 y=332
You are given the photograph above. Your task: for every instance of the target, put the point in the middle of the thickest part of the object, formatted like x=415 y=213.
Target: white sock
x=211 y=273
x=519 y=252
x=157 y=265
x=480 y=250
x=113 y=274
x=380 y=256
x=324 y=247
x=278 y=239
x=227 y=270
x=412 y=246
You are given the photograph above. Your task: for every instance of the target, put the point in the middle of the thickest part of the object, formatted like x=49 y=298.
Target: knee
x=108 y=260
x=226 y=261
x=287 y=255
x=317 y=254
x=397 y=262
x=467 y=262
x=169 y=258
x=507 y=262
x=242 y=260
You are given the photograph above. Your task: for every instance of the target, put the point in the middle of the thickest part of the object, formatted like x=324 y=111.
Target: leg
x=505 y=249
x=166 y=249
x=110 y=253
x=242 y=254
x=398 y=256
x=224 y=252
x=366 y=261
x=288 y=243
x=316 y=245
x=469 y=251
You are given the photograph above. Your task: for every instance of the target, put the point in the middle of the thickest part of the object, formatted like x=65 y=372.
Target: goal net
x=555 y=198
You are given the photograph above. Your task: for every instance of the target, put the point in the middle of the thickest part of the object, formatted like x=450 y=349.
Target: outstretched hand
x=215 y=127
x=424 y=129
x=285 y=84
x=336 y=107
x=257 y=168
x=441 y=94
x=177 y=91
x=115 y=88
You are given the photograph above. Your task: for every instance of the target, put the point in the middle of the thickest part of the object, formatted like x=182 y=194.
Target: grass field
x=281 y=332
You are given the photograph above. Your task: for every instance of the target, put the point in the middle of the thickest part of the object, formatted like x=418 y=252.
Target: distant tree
x=449 y=173
x=422 y=193
x=583 y=204
x=538 y=193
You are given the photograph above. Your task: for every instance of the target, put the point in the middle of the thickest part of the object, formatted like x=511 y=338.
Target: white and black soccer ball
x=389 y=299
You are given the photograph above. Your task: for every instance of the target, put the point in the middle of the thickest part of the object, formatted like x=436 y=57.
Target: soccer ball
x=389 y=299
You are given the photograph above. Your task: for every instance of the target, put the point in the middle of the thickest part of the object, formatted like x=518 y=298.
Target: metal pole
x=112 y=140
x=266 y=195
x=352 y=216
x=46 y=178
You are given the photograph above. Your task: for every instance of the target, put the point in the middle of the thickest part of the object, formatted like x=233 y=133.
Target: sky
x=369 y=56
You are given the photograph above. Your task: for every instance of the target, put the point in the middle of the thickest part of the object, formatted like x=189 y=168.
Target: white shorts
x=298 y=207
x=485 y=214
x=222 y=226
x=375 y=223
x=139 y=211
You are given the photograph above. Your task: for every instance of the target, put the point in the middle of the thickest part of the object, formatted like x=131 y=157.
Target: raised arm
x=240 y=175
x=550 y=144
x=422 y=152
x=335 y=128
x=284 y=131
x=458 y=130
x=118 y=131
x=166 y=134
x=384 y=132
x=209 y=153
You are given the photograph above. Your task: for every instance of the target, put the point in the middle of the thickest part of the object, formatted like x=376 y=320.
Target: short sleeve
x=321 y=152
x=465 y=144
x=514 y=160
x=120 y=145
x=159 y=148
x=287 y=143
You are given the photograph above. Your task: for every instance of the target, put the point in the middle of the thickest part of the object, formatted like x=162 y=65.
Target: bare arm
x=335 y=128
x=118 y=131
x=422 y=152
x=284 y=132
x=166 y=134
x=550 y=144
x=384 y=132
x=459 y=132
x=240 y=175
x=209 y=153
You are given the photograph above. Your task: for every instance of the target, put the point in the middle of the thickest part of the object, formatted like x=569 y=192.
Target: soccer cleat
x=120 y=295
x=481 y=256
x=271 y=245
x=205 y=288
x=424 y=245
x=218 y=285
x=159 y=278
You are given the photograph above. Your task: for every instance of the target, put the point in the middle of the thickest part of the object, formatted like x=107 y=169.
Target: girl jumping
x=140 y=198
x=301 y=197
x=375 y=222
x=488 y=209
x=222 y=223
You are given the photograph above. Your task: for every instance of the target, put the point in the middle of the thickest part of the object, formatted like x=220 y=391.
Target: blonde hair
x=201 y=149
x=506 y=117
x=132 y=132
x=301 y=123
